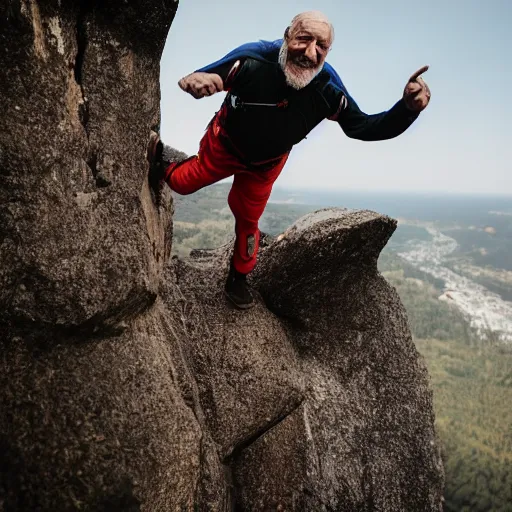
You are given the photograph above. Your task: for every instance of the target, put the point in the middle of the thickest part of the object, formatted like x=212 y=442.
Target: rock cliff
x=126 y=381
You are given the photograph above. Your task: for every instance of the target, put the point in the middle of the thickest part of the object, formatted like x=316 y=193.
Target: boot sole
x=239 y=306
x=154 y=156
x=151 y=148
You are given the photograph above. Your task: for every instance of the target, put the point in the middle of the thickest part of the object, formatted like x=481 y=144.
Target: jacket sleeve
x=219 y=68
x=261 y=50
x=371 y=127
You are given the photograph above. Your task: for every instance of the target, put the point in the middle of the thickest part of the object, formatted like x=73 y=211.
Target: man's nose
x=311 y=51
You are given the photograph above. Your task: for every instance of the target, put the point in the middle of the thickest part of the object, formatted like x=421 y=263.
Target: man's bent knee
x=178 y=175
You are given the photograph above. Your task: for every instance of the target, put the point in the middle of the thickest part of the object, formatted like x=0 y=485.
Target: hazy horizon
x=460 y=143
x=291 y=188
x=425 y=192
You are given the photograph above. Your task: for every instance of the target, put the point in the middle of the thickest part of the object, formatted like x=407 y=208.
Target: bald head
x=312 y=19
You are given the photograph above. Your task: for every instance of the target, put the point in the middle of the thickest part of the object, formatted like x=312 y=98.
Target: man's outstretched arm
x=385 y=125
x=389 y=124
x=216 y=77
x=210 y=79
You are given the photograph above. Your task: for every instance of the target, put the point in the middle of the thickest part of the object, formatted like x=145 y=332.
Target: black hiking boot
x=157 y=166
x=237 y=290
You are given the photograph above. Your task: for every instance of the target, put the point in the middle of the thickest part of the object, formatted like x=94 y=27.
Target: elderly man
x=277 y=92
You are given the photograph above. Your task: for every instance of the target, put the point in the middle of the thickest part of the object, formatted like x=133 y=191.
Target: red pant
x=248 y=195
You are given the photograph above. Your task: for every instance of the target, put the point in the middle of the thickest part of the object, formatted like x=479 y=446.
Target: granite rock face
x=79 y=92
x=359 y=440
x=126 y=380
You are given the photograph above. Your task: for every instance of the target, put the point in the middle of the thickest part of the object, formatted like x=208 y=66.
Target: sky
x=462 y=142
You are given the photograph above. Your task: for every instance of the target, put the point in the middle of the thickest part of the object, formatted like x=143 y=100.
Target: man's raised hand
x=200 y=84
x=416 y=92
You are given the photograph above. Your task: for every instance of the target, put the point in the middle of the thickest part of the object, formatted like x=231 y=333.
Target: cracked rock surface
x=127 y=382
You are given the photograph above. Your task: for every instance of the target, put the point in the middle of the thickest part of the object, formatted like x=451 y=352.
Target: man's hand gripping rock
x=416 y=92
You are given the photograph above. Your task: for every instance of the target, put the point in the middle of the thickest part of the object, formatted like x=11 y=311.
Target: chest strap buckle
x=236 y=102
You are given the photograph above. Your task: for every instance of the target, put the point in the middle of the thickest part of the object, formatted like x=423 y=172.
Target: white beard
x=296 y=76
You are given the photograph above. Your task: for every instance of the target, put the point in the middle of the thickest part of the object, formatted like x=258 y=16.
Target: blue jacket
x=261 y=133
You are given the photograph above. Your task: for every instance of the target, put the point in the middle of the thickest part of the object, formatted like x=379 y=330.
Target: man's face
x=308 y=44
x=305 y=48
